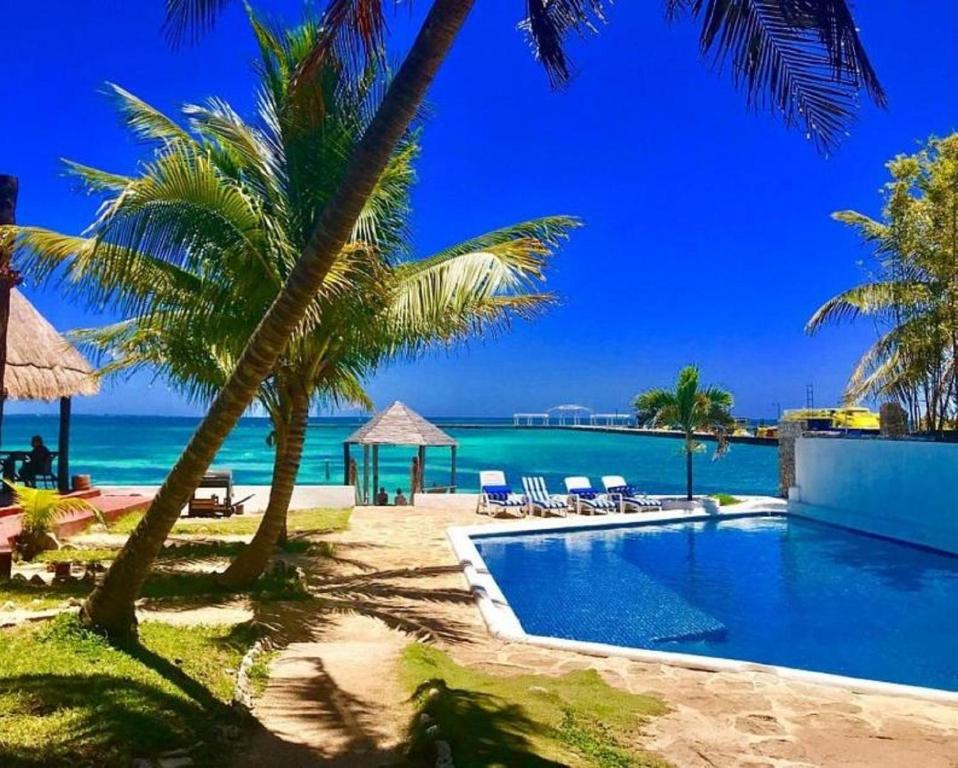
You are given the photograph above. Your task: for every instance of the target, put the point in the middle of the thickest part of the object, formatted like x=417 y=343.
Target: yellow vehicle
x=852 y=419
x=767 y=431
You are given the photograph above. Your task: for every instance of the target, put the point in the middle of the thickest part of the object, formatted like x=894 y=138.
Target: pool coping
x=502 y=622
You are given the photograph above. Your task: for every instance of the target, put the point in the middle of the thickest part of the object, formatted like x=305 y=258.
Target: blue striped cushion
x=551 y=503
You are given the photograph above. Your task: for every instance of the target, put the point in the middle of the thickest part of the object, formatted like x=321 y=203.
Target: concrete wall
x=900 y=488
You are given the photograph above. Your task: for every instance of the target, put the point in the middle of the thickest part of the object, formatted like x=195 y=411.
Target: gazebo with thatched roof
x=42 y=365
x=397 y=425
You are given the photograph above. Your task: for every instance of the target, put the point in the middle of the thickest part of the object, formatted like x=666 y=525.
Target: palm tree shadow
x=113 y=719
x=386 y=595
x=482 y=729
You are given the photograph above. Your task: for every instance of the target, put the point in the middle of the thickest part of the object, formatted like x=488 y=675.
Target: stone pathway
x=335 y=699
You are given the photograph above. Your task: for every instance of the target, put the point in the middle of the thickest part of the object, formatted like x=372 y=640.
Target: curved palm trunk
x=110 y=607
x=251 y=561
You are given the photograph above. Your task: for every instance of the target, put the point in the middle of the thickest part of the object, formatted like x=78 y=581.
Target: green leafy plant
x=42 y=508
x=726 y=499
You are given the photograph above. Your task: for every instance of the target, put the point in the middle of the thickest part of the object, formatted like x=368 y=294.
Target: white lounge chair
x=584 y=498
x=540 y=500
x=632 y=500
x=496 y=496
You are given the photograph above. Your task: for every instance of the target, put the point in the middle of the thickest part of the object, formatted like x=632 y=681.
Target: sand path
x=338 y=702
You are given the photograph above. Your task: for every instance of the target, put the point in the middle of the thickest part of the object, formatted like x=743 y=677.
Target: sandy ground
x=335 y=700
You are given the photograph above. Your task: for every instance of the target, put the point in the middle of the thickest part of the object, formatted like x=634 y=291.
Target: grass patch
x=725 y=499
x=194 y=550
x=77 y=555
x=318 y=520
x=259 y=671
x=67 y=697
x=182 y=588
x=535 y=721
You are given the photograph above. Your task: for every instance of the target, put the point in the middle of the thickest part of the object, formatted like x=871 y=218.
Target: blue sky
x=707 y=237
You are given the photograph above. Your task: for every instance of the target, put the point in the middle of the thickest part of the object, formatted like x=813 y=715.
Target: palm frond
x=867 y=299
x=96 y=180
x=352 y=29
x=145 y=121
x=547 y=25
x=803 y=59
x=190 y=19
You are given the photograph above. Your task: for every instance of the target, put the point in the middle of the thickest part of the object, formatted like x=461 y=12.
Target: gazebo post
x=452 y=483
x=9 y=277
x=63 y=448
x=345 y=463
x=397 y=425
x=365 y=474
x=422 y=468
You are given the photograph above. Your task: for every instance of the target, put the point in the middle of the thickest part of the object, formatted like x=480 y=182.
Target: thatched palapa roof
x=41 y=364
x=399 y=425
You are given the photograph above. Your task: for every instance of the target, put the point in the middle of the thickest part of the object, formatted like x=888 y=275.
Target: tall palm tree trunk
x=110 y=607
x=688 y=469
x=251 y=561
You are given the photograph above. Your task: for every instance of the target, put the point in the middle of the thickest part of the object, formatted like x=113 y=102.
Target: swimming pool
x=784 y=591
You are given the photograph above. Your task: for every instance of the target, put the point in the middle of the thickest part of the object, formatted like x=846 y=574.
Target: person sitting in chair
x=37 y=462
x=400 y=499
x=382 y=498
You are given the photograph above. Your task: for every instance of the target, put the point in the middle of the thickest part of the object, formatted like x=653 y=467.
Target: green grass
x=27 y=596
x=259 y=671
x=179 y=588
x=68 y=698
x=77 y=555
x=194 y=550
x=300 y=521
x=535 y=721
x=725 y=499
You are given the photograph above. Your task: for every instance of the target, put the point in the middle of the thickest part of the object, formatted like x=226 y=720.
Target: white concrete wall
x=900 y=488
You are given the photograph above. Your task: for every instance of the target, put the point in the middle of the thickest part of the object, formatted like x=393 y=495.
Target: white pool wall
x=904 y=489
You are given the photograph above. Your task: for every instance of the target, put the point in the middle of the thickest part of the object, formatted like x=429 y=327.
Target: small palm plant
x=42 y=508
x=689 y=408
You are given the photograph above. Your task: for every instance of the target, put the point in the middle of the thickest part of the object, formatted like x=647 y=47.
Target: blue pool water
x=784 y=591
x=140 y=450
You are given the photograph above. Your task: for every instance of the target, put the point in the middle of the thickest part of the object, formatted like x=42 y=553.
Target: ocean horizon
x=139 y=450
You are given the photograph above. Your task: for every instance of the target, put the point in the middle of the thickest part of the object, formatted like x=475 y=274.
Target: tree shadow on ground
x=482 y=729
x=98 y=719
x=313 y=700
x=409 y=608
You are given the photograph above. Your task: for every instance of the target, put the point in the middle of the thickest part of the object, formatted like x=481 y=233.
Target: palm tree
x=689 y=408
x=804 y=54
x=912 y=296
x=41 y=509
x=192 y=312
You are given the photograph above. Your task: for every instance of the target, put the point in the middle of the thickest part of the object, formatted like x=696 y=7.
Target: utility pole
x=809 y=395
x=9 y=277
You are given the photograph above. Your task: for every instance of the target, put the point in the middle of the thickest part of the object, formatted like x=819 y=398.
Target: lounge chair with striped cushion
x=540 y=500
x=496 y=496
x=632 y=500
x=584 y=498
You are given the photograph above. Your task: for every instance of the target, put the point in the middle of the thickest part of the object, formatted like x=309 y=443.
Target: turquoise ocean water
x=140 y=450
